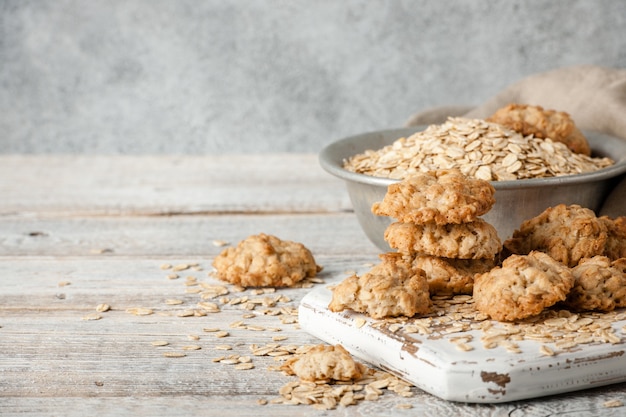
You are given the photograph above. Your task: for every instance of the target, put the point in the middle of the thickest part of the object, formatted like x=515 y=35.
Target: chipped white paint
x=479 y=375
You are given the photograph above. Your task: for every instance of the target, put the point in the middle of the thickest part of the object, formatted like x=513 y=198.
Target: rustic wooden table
x=77 y=232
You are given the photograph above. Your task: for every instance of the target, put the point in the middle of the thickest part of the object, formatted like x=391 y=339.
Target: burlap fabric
x=595 y=98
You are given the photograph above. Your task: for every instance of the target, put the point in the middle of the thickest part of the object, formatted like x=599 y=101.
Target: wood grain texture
x=76 y=232
x=153 y=185
x=183 y=235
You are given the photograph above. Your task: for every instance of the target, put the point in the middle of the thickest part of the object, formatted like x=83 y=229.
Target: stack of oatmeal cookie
x=439 y=227
x=441 y=244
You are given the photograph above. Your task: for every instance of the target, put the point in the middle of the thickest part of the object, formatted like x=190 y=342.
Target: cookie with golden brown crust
x=265 y=261
x=523 y=286
x=566 y=233
x=474 y=240
x=442 y=197
x=324 y=363
x=394 y=287
x=542 y=123
x=448 y=276
x=616 y=237
x=599 y=284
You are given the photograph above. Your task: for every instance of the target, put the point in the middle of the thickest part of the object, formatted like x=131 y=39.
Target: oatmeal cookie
x=599 y=284
x=394 y=287
x=444 y=196
x=265 y=261
x=566 y=233
x=616 y=237
x=522 y=287
x=541 y=123
x=451 y=276
x=324 y=363
x=474 y=240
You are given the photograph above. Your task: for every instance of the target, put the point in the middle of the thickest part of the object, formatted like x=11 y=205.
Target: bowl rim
x=332 y=162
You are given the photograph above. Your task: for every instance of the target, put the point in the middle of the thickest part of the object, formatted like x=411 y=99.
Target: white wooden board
x=434 y=364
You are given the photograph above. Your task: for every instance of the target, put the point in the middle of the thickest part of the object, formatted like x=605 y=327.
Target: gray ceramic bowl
x=516 y=200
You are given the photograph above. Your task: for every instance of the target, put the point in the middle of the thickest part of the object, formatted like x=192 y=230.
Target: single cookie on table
x=394 y=287
x=473 y=240
x=541 y=123
x=324 y=363
x=616 y=237
x=442 y=197
x=523 y=286
x=566 y=233
x=265 y=261
x=449 y=276
x=599 y=284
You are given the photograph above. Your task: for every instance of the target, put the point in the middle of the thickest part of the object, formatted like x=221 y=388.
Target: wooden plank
x=244 y=405
x=82 y=184
x=239 y=405
x=36 y=282
x=184 y=235
x=247 y=405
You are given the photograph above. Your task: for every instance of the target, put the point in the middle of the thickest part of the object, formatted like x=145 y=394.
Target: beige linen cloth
x=595 y=98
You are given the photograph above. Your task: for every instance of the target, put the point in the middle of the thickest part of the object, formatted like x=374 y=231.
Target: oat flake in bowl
x=478 y=148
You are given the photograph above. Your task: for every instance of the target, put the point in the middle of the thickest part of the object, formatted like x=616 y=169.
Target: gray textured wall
x=190 y=76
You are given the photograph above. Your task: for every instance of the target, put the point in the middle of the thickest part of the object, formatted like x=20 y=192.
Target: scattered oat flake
x=92 y=316
x=192 y=347
x=173 y=302
x=223 y=347
x=219 y=243
x=221 y=334
x=463 y=347
x=262 y=351
x=165 y=266
x=404 y=406
x=101 y=308
x=160 y=343
x=181 y=267
x=261 y=401
x=208 y=306
x=210 y=329
x=64 y=283
x=140 y=311
x=244 y=366
x=174 y=354
x=613 y=404
x=173 y=276
x=360 y=322
x=545 y=350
